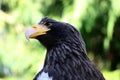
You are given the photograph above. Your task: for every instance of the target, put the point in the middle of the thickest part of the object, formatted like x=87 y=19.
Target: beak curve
x=36 y=30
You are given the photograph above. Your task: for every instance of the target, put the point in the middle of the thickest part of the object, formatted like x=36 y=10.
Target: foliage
x=111 y=75
x=96 y=19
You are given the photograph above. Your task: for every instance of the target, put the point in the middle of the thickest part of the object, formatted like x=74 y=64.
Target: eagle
x=66 y=55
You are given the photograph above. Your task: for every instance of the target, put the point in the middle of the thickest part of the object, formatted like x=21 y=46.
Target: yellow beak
x=36 y=30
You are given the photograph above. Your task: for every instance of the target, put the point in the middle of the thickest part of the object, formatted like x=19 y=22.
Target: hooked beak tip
x=28 y=32
x=27 y=36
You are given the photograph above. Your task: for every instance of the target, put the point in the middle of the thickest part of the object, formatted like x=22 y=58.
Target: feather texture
x=66 y=57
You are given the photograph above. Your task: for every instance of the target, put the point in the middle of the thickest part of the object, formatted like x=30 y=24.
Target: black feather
x=66 y=57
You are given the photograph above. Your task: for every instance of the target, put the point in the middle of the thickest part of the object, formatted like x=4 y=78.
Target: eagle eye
x=46 y=23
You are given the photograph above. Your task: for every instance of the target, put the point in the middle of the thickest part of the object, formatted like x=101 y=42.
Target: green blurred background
x=97 y=20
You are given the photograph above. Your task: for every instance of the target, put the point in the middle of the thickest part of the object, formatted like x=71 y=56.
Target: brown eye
x=46 y=24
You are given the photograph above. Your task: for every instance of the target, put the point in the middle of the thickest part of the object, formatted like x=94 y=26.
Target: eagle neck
x=65 y=54
x=71 y=60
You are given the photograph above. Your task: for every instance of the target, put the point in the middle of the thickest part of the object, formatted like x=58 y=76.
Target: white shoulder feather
x=44 y=76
